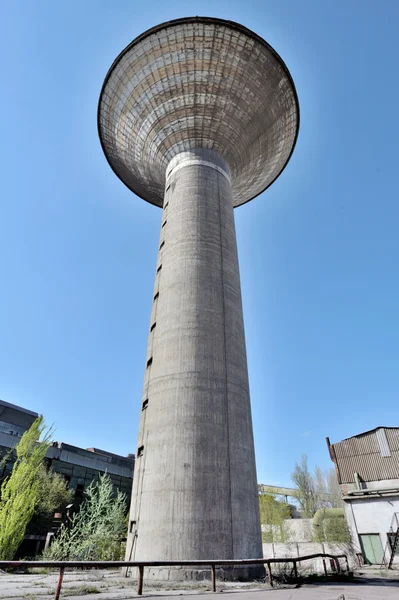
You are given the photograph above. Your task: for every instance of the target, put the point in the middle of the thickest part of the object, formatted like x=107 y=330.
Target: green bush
x=272 y=516
x=330 y=526
x=96 y=530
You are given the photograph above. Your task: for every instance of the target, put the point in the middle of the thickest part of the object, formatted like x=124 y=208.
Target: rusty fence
x=212 y=564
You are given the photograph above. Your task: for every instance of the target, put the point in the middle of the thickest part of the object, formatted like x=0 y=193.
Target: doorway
x=371 y=548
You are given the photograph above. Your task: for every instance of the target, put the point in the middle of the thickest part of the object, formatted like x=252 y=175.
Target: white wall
x=372 y=515
x=295 y=530
x=299 y=530
x=291 y=550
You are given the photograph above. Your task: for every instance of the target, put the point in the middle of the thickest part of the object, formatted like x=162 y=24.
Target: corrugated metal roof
x=373 y=454
x=371 y=430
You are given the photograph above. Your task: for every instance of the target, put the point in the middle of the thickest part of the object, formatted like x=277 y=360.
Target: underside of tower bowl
x=197 y=116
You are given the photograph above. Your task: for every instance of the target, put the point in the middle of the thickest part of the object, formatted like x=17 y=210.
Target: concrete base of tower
x=192 y=574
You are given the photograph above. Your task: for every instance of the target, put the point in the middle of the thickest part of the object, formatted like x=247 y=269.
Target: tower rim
x=185 y=21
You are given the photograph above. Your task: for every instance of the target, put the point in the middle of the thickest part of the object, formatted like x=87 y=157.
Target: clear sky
x=318 y=251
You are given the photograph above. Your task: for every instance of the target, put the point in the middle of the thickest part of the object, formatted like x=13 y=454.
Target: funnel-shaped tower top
x=198 y=83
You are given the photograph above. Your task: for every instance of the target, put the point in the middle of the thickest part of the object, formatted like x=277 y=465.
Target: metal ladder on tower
x=392 y=542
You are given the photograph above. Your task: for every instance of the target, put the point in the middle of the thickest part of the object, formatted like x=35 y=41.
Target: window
x=164 y=223
x=149 y=362
x=166 y=204
x=159 y=268
x=132 y=526
x=167 y=188
x=140 y=451
x=162 y=245
x=79 y=490
x=145 y=404
x=156 y=296
x=153 y=326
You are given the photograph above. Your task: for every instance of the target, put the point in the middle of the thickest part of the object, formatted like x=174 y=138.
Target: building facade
x=367 y=467
x=78 y=466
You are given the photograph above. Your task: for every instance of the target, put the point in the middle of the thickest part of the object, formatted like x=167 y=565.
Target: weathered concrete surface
x=198 y=83
x=195 y=488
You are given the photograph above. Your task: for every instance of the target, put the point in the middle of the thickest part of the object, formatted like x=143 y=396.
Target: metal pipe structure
x=197 y=116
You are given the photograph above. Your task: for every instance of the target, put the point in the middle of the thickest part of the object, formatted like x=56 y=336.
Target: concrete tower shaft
x=195 y=488
x=197 y=116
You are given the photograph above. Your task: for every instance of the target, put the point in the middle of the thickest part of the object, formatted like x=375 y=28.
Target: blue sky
x=318 y=250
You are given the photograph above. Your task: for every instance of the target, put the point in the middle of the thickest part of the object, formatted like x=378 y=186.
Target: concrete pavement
x=109 y=585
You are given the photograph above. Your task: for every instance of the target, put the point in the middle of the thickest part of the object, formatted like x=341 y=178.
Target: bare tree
x=334 y=489
x=320 y=490
x=304 y=481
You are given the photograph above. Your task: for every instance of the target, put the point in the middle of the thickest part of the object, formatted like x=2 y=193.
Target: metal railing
x=212 y=564
x=391 y=544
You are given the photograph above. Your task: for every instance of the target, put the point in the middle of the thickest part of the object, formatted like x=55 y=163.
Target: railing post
x=213 y=578
x=347 y=563
x=269 y=574
x=337 y=565
x=59 y=584
x=325 y=567
x=140 y=581
x=295 y=569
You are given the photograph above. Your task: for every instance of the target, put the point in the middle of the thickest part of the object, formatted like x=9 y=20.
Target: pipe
x=370 y=491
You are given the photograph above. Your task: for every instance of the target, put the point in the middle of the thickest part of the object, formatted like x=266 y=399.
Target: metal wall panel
x=362 y=454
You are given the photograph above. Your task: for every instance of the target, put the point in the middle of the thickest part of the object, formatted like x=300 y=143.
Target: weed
x=38 y=571
x=82 y=590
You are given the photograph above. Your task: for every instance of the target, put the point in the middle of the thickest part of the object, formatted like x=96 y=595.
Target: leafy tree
x=53 y=496
x=20 y=491
x=97 y=529
x=273 y=513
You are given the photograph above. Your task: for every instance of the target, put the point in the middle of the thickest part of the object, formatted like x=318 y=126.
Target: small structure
x=367 y=467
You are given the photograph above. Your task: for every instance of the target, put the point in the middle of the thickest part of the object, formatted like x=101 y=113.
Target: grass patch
x=38 y=571
x=82 y=590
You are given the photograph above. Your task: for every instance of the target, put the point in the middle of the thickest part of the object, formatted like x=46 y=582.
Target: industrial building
x=78 y=466
x=367 y=467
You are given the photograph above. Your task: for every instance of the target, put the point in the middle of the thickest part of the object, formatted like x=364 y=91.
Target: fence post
x=140 y=581
x=295 y=569
x=336 y=565
x=325 y=567
x=213 y=578
x=269 y=574
x=59 y=584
